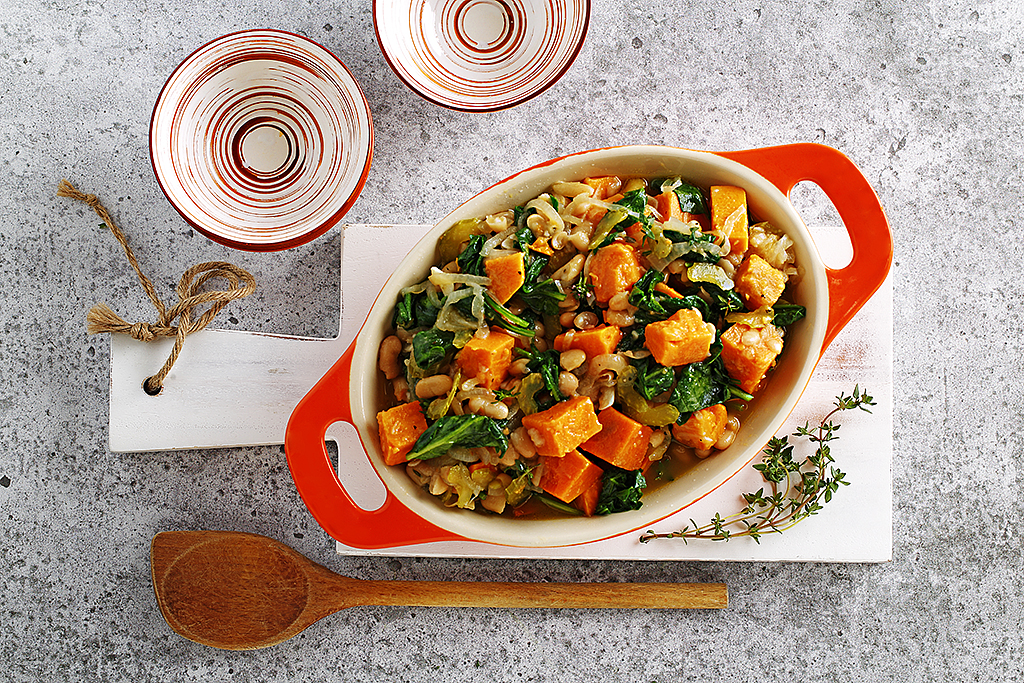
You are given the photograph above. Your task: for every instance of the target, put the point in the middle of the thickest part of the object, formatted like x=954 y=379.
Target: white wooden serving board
x=231 y=389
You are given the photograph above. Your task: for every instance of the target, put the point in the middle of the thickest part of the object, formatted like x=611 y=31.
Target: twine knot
x=141 y=331
x=191 y=290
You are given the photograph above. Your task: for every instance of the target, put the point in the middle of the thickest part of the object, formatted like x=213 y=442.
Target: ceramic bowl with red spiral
x=261 y=140
x=480 y=55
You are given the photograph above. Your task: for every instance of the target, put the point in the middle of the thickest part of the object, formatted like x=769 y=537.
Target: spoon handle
x=542 y=595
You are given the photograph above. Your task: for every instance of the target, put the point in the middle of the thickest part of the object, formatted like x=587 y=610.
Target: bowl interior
x=480 y=55
x=772 y=406
x=261 y=140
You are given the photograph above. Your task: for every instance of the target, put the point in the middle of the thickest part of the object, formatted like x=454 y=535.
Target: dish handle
x=391 y=524
x=849 y=288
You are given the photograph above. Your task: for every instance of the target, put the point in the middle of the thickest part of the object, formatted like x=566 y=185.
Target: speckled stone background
x=926 y=97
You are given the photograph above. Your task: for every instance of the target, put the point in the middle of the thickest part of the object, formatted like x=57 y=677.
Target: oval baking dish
x=351 y=390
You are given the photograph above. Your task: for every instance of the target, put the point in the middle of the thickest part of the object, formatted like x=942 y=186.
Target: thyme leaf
x=795 y=490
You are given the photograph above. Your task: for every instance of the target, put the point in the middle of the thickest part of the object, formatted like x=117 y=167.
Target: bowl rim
x=415 y=87
x=324 y=225
x=572 y=531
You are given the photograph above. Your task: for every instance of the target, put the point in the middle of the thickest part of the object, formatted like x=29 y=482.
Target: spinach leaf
x=620 y=491
x=691 y=198
x=544 y=363
x=403 y=315
x=502 y=317
x=431 y=349
x=524 y=238
x=459 y=431
x=699 y=386
x=787 y=314
x=558 y=505
x=652 y=378
x=633 y=338
x=498 y=314
x=659 y=305
x=414 y=310
x=541 y=295
x=632 y=208
x=642 y=294
x=471 y=261
x=703 y=384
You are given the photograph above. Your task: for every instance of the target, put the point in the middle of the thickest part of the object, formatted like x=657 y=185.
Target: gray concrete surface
x=925 y=97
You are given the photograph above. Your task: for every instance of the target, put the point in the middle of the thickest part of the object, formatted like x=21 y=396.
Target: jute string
x=191 y=296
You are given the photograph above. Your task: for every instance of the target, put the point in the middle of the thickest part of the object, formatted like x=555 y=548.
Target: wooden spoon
x=239 y=591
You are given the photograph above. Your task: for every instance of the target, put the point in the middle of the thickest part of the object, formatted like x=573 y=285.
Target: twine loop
x=191 y=290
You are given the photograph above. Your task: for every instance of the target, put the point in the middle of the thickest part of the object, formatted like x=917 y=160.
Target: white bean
x=387 y=359
x=567 y=383
x=619 y=318
x=580 y=239
x=614 y=362
x=619 y=302
x=572 y=359
x=725 y=440
x=569 y=302
x=498 y=411
x=521 y=441
x=571 y=270
x=606 y=398
x=586 y=320
x=435 y=385
x=518 y=367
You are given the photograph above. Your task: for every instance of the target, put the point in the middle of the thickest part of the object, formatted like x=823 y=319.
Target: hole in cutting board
x=821 y=218
x=354 y=469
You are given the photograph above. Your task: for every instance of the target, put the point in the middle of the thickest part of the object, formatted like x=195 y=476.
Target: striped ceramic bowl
x=480 y=55
x=261 y=140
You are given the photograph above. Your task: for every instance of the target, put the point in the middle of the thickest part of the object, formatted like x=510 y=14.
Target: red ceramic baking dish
x=351 y=391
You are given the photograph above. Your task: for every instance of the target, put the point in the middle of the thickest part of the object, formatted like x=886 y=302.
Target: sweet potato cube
x=613 y=269
x=729 y=216
x=507 y=273
x=703 y=428
x=587 y=501
x=563 y=426
x=567 y=477
x=596 y=341
x=667 y=204
x=399 y=428
x=682 y=339
x=605 y=186
x=758 y=283
x=487 y=359
x=748 y=353
x=542 y=246
x=622 y=440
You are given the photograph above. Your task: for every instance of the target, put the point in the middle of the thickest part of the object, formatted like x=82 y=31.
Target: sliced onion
x=544 y=208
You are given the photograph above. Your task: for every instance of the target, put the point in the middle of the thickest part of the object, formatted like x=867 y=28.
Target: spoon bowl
x=240 y=591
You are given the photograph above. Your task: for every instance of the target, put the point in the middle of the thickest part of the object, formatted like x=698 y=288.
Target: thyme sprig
x=797 y=489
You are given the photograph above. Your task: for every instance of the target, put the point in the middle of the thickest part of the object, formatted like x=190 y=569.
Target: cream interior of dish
x=759 y=420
